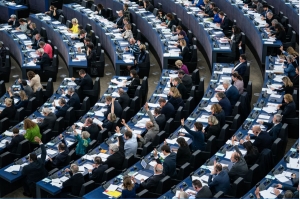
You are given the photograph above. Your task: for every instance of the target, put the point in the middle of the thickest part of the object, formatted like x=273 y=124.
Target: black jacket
x=169 y=166
x=35 y=44
x=225 y=24
x=97 y=173
x=60 y=160
x=93 y=130
x=86 y=83
x=91 y=58
x=45 y=63
x=187 y=82
x=183 y=156
x=168 y=110
x=172 y=23
x=13 y=145
x=149 y=8
x=115 y=160
x=118 y=110
x=75 y=183
x=185 y=54
x=8 y=112
x=119 y=22
x=161 y=121
x=151 y=183
x=226 y=106
x=48 y=122
x=124 y=100
x=204 y=193
x=289 y=110
x=212 y=130
x=61 y=111
x=17 y=24
x=182 y=90
x=176 y=102
x=273 y=130
x=221 y=118
x=74 y=101
x=262 y=141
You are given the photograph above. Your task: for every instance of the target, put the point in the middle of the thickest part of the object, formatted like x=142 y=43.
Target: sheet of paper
x=153 y=163
x=88 y=166
x=96 y=121
x=140 y=176
x=228 y=154
x=63 y=179
x=99 y=113
x=51 y=152
x=112 y=187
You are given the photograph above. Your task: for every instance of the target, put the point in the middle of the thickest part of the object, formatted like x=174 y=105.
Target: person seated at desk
x=9 y=111
x=224 y=103
x=151 y=183
x=288 y=107
x=265 y=11
x=202 y=191
x=85 y=82
x=33 y=30
x=27 y=89
x=37 y=39
x=287 y=86
x=128 y=33
x=205 y=7
x=176 y=82
x=224 y=24
x=82 y=36
x=295 y=79
x=131 y=144
x=12 y=146
x=184 y=51
x=166 y=108
x=124 y=99
x=241 y=67
x=62 y=108
x=159 y=118
x=161 y=16
x=213 y=128
x=49 y=120
x=197 y=136
x=210 y=13
x=125 y=22
x=126 y=11
x=231 y=92
x=101 y=11
x=183 y=154
x=216 y=18
x=234 y=40
x=239 y=167
x=83 y=142
x=59 y=161
x=262 y=139
x=169 y=166
x=34 y=171
x=3 y=53
x=279 y=33
x=47 y=48
x=290 y=51
x=74 y=183
x=23 y=99
x=186 y=80
x=238 y=82
x=13 y=21
x=74 y=28
x=273 y=128
x=141 y=58
x=23 y=26
x=46 y=64
x=182 y=67
x=53 y=13
x=73 y=97
x=133 y=48
x=117 y=109
x=270 y=18
x=148 y=6
x=170 y=21
x=256 y=6
x=32 y=130
x=291 y=191
x=271 y=29
x=289 y=70
x=174 y=97
x=151 y=126
x=219 y=113
x=218 y=179
x=91 y=128
x=135 y=82
x=116 y=157
x=98 y=170
x=119 y=21
x=197 y=3
x=129 y=187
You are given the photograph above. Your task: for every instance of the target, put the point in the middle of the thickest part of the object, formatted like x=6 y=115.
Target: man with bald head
x=151 y=183
x=239 y=167
x=262 y=139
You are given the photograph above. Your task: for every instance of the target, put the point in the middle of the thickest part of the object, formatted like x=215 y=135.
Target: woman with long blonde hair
x=32 y=130
x=287 y=86
x=24 y=99
x=174 y=98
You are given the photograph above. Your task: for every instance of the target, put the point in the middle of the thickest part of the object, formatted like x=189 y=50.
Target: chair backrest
x=134 y=106
x=4 y=124
x=252 y=177
x=71 y=156
x=144 y=87
x=196 y=77
x=237 y=188
x=87 y=187
x=195 y=160
x=168 y=126
x=55 y=53
x=277 y=150
x=175 y=16
x=163 y=185
x=20 y=114
x=143 y=193
x=69 y=117
x=84 y=3
x=62 y=19
x=246 y=75
x=108 y=174
x=190 y=35
x=88 y=28
x=126 y=114
x=86 y=104
x=134 y=29
x=79 y=92
x=155 y=11
x=184 y=171
x=147 y=148
x=31 y=106
x=220 y=194
x=284 y=21
x=68 y=24
x=211 y=145
x=236 y=109
x=179 y=22
x=283 y=135
x=224 y=136
x=189 y=107
x=44 y=33
x=93 y=36
x=46 y=136
x=139 y=93
x=58 y=126
x=39 y=96
x=5 y=159
x=2 y=87
x=128 y=161
x=102 y=135
x=138 y=35
x=159 y=138
x=109 y=14
x=92 y=145
x=249 y=90
x=178 y=116
x=236 y=122
x=49 y=88
x=23 y=148
x=93 y=7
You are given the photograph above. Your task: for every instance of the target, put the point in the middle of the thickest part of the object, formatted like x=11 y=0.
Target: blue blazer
x=197 y=137
x=233 y=95
x=290 y=70
x=221 y=182
x=169 y=165
x=61 y=111
x=74 y=101
x=241 y=69
x=168 y=110
x=262 y=141
x=289 y=110
x=226 y=106
x=274 y=130
x=217 y=19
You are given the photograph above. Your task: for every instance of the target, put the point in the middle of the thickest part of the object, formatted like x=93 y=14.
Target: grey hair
x=226 y=81
x=71 y=89
x=212 y=119
x=41 y=50
x=74 y=168
x=46 y=110
x=114 y=147
x=278 y=117
x=221 y=95
x=13 y=16
x=274 y=21
x=290 y=58
x=270 y=13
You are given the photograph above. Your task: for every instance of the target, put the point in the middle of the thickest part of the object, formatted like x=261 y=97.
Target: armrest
x=90 y=92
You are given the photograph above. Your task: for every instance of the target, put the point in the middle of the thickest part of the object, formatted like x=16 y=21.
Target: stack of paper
x=56 y=182
x=99 y=113
x=141 y=123
x=8 y=133
x=294 y=163
x=140 y=176
x=269 y=193
x=13 y=168
x=96 y=121
x=203 y=118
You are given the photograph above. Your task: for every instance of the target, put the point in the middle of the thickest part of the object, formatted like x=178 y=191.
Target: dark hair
x=181 y=141
x=179 y=27
x=22 y=20
x=170 y=16
x=160 y=10
x=90 y=45
x=157 y=110
x=15 y=131
x=250 y=148
x=33 y=156
x=236 y=29
x=62 y=146
x=165 y=148
x=134 y=73
x=126 y=5
x=81 y=71
x=199 y=126
x=181 y=72
x=181 y=33
x=243 y=56
x=218 y=167
x=87 y=39
x=221 y=95
x=265 y=5
x=128 y=134
x=80 y=27
x=197 y=183
x=62 y=100
x=98 y=160
x=288 y=194
x=82 y=31
x=126 y=19
x=279 y=27
x=100 y=6
x=221 y=13
x=213 y=4
x=162 y=100
x=236 y=75
x=30 y=74
x=236 y=156
x=24 y=82
x=216 y=9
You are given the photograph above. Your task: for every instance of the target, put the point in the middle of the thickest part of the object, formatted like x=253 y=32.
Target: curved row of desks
x=6 y=11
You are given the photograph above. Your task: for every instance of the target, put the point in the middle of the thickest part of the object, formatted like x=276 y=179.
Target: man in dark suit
x=83 y=35
x=241 y=67
x=99 y=168
x=90 y=127
x=74 y=100
x=202 y=192
x=34 y=171
x=60 y=160
x=169 y=166
x=186 y=80
x=119 y=21
x=224 y=22
x=159 y=118
x=270 y=18
x=166 y=108
x=74 y=183
x=13 y=21
x=151 y=183
x=117 y=107
x=176 y=82
x=86 y=82
x=148 y=6
x=273 y=128
x=49 y=120
x=37 y=39
x=62 y=108
x=116 y=158
x=124 y=99
x=91 y=54
x=224 y=103
x=231 y=92
x=219 y=180
x=262 y=139
x=43 y=60
x=239 y=167
x=12 y=146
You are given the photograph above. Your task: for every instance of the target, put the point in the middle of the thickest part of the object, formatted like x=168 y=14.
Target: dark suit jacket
x=233 y=95
x=185 y=54
x=221 y=118
x=212 y=130
x=124 y=100
x=188 y=82
x=239 y=169
x=281 y=36
x=182 y=90
x=221 y=182
x=74 y=101
x=168 y=110
x=119 y=22
x=204 y=193
x=61 y=111
x=183 y=156
x=97 y=173
x=161 y=121
x=295 y=81
x=262 y=141
x=48 y=122
x=169 y=166
x=151 y=183
x=93 y=130
x=86 y=83
x=118 y=110
x=134 y=82
x=17 y=24
x=91 y=58
x=115 y=160
x=103 y=13
x=225 y=24
x=172 y=22
x=176 y=102
x=45 y=62
x=226 y=106
x=35 y=44
x=8 y=112
x=149 y=8
x=13 y=145
x=273 y=130
x=241 y=69
x=60 y=160
x=289 y=110
x=75 y=183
